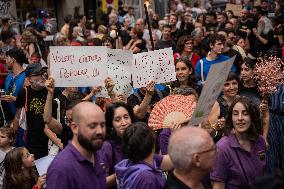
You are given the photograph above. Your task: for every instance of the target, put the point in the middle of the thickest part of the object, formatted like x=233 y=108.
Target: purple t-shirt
x=111 y=154
x=227 y=168
x=70 y=170
x=164 y=140
x=140 y=175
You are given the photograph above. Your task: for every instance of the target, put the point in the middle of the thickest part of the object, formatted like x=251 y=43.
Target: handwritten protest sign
x=236 y=8
x=119 y=68
x=153 y=65
x=213 y=86
x=78 y=66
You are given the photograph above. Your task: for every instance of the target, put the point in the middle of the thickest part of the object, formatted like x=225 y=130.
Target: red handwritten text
x=63 y=58
x=90 y=58
x=67 y=73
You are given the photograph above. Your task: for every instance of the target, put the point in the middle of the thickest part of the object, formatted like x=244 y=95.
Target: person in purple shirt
x=118 y=117
x=143 y=169
x=78 y=165
x=241 y=154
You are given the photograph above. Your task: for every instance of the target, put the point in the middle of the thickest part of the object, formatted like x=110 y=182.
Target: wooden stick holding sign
x=213 y=86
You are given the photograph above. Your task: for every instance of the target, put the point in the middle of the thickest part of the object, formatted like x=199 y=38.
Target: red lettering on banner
x=96 y=72
x=64 y=73
x=63 y=58
x=90 y=58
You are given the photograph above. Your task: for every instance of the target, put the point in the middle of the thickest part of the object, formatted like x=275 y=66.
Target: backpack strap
x=26 y=99
x=58 y=109
x=202 y=74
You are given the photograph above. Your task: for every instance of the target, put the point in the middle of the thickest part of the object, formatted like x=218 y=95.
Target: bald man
x=192 y=152
x=79 y=166
x=140 y=26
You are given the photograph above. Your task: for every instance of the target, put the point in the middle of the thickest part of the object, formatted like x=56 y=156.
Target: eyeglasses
x=67 y=120
x=43 y=75
x=209 y=150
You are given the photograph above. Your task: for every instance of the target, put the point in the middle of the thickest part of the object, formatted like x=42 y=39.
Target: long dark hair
x=14 y=175
x=191 y=79
x=109 y=115
x=256 y=128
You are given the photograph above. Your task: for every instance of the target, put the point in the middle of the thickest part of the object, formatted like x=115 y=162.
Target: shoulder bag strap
x=58 y=109
x=202 y=74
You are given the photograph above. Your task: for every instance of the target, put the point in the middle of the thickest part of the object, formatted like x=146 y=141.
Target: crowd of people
x=107 y=142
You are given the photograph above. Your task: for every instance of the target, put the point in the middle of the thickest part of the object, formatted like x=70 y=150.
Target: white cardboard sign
x=120 y=70
x=43 y=163
x=155 y=65
x=78 y=66
x=214 y=84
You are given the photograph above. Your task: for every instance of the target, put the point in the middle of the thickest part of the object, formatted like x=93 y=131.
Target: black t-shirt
x=250 y=92
x=37 y=141
x=166 y=44
x=238 y=61
x=137 y=98
x=174 y=183
x=66 y=134
x=142 y=46
x=244 y=26
x=264 y=48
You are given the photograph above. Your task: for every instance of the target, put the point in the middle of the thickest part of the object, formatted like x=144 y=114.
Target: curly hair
x=14 y=174
x=192 y=77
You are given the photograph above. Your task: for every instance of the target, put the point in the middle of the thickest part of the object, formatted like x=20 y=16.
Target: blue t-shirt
x=207 y=64
x=14 y=85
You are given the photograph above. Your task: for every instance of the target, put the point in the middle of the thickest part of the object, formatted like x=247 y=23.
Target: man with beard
x=78 y=166
x=33 y=98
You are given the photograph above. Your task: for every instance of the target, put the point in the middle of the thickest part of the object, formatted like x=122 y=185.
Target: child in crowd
x=7 y=138
x=20 y=172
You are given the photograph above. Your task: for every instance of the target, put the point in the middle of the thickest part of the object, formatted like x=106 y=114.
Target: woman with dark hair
x=109 y=42
x=220 y=109
x=118 y=117
x=185 y=48
x=241 y=154
x=143 y=169
x=185 y=74
x=137 y=43
x=248 y=86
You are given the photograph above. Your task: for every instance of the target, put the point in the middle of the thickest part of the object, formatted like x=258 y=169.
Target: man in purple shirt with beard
x=79 y=166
